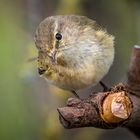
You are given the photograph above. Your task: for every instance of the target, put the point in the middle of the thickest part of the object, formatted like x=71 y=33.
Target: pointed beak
x=41 y=71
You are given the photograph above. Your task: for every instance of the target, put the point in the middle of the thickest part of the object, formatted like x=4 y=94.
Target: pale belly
x=75 y=79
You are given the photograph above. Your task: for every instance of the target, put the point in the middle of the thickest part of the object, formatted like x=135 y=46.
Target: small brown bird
x=73 y=51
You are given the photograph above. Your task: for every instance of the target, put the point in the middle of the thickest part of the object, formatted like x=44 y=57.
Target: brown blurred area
x=27 y=103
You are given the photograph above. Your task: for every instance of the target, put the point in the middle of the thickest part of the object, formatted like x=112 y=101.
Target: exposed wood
x=118 y=107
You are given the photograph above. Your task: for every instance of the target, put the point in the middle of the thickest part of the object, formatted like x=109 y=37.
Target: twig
x=119 y=107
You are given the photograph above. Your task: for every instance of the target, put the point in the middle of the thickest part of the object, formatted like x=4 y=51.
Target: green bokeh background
x=27 y=103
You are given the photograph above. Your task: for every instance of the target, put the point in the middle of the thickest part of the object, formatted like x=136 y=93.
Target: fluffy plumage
x=81 y=58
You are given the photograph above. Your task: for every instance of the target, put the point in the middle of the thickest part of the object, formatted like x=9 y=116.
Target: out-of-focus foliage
x=27 y=103
x=69 y=7
x=17 y=108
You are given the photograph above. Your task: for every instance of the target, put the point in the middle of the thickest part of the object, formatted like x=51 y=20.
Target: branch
x=118 y=107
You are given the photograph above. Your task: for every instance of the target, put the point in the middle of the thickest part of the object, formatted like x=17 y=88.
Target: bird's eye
x=58 y=36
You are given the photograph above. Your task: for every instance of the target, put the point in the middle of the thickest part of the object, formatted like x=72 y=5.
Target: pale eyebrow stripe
x=56 y=26
x=51 y=31
x=59 y=25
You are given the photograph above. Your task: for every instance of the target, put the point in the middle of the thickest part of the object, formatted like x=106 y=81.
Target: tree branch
x=119 y=107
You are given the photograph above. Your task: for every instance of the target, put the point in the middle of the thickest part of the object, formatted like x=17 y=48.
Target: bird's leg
x=75 y=94
x=105 y=88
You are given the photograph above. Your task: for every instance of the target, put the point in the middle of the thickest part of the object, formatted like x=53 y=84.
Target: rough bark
x=118 y=107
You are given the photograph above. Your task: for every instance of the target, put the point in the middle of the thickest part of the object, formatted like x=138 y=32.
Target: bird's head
x=62 y=40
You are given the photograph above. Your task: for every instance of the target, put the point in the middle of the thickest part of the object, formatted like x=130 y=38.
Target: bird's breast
x=71 y=78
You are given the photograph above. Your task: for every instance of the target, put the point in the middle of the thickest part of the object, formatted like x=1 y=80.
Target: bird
x=74 y=52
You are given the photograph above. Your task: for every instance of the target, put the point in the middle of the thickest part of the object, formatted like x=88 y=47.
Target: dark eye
x=58 y=36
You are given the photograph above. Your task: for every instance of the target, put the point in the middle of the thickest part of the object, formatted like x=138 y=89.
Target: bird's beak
x=41 y=71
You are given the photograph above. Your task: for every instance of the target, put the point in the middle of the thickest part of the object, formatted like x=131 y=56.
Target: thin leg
x=75 y=94
x=105 y=88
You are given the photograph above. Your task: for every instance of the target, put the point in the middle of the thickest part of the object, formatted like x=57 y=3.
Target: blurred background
x=27 y=103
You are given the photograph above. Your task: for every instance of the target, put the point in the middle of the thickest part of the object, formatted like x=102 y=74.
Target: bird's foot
x=105 y=88
x=75 y=94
